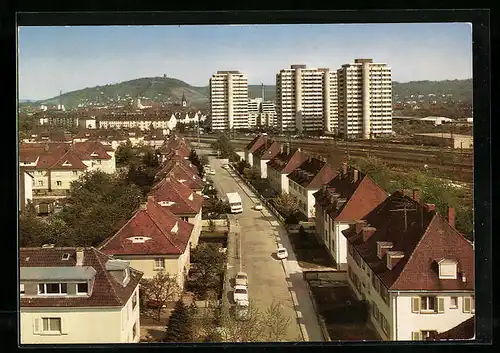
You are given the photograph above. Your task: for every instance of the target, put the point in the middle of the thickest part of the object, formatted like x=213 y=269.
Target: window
x=159 y=263
x=454 y=303
x=51 y=325
x=427 y=304
x=75 y=172
x=52 y=288
x=21 y=289
x=40 y=182
x=468 y=304
x=134 y=330
x=384 y=324
x=185 y=219
x=428 y=334
x=59 y=183
x=82 y=288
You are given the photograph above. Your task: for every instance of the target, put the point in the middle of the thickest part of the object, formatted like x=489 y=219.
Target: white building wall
x=284 y=183
x=65 y=177
x=263 y=168
x=195 y=235
x=79 y=325
x=28 y=188
x=408 y=322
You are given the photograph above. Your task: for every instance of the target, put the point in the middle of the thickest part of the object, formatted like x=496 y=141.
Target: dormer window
x=447 y=269
x=175 y=228
x=52 y=288
x=65 y=257
x=191 y=197
x=82 y=288
x=67 y=164
x=393 y=257
x=166 y=203
x=21 y=288
x=94 y=154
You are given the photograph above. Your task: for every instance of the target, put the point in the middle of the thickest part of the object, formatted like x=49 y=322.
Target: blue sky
x=71 y=58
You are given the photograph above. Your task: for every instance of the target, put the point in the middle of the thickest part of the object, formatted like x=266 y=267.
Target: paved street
x=269 y=280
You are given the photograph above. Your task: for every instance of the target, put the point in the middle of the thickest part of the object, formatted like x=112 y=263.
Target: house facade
x=25 y=188
x=264 y=154
x=413 y=268
x=77 y=295
x=281 y=165
x=252 y=147
x=350 y=196
x=153 y=240
x=307 y=179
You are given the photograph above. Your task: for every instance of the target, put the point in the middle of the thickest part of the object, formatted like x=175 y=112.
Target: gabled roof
x=268 y=150
x=182 y=174
x=313 y=174
x=256 y=143
x=185 y=201
x=107 y=291
x=463 y=331
x=427 y=239
x=173 y=160
x=156 y=223
x=286 y=163
x=361 y=196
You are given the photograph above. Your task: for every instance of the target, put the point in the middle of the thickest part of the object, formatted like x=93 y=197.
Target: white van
x=234 y=200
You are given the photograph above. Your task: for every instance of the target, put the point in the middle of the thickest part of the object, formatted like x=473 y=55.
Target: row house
x=143 y=122
x=264 y=154
x=56 y=165
x=183 y=202
x=252 y=147
x=77 y=296
x=154 y=240
x=154 y=139
x=282 y=165
x=37 y=136
x=108 y=137
x=350 y=196
x=413 y=267
x=182 y=172
x=306 y=180
x=173 y=144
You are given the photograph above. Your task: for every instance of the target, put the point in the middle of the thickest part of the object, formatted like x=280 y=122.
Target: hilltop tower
x=183 y=101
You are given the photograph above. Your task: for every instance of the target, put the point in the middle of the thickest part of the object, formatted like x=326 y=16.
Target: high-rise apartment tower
x=364 y=99
x=229 y=100
x=306 y=99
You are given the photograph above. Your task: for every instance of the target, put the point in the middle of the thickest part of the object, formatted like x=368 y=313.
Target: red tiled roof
x=268 y=150
x=188 y=178
x=169 y=189
x=256 y=143
x=106 y=291
x=313 y=174
x=361 y=196
x=463 y=331
x=427 y=238
x=286 y=163
x=154 y=222
x=86 y=150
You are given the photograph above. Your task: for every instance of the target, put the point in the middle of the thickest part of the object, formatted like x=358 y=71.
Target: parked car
x=281 y=252
x=225 y=166
x=258 y=206
x=241 y=279
x=241 y=311
x=212 y=172
x=240 y=293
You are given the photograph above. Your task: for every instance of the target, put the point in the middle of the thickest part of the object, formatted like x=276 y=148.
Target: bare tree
x=286 y=204
x=157 y=292
x=276 y=323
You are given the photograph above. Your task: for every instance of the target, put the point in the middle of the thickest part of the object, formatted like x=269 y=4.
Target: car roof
x=240 y=287
x=241 y=274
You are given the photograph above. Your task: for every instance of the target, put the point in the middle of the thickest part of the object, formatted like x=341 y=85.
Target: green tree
x=210 y=263
x=125 y=154
x=180 y=324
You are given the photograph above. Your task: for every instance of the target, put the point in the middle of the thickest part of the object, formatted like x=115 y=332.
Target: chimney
x=144 y=205
x=79 y=257
x=360 y=225
x=451 y=216
x=344 y=168
x=281 y=149
x=367 y=233
x=355 y=176
x=393 y=257
x=416 y=195
x=299 y=149
x=46 y=148
x=429 y=207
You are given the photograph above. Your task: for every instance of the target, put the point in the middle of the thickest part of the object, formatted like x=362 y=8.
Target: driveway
x=269 y=279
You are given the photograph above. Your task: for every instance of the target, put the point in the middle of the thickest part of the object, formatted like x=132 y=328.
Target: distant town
x=324 y=208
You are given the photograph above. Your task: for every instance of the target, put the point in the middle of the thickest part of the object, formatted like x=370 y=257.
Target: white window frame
x=50 y=332
x=157 y=260
x=40 y=182
x=21 y=289
x=454 y=305
x=82 y=293
x=75 y=172
x=427 y=300
x=51 y=294
x=58 y=182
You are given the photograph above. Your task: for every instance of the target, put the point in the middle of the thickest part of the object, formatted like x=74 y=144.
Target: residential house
x=252 y=147
x=56 y=165
x=25 y=188
x=281 y=165
x=413 y=267
x=108 y=137
x=350 y=196
x=264 y=154
x=182 y=202
x=307 y=179
x=141 y=121
x=186 y=175
x=154 y=138
x=175 y=143
x=77 y=295
x=463 y=331
x=153 y=240
x=87 y=122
